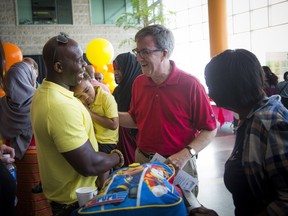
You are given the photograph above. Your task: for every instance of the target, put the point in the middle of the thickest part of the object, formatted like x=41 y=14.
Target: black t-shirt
x=7 y=192
x=235 y=180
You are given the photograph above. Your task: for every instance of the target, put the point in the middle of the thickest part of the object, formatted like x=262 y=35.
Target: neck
x=57 y=81
x=161 y=77
x=244 y=113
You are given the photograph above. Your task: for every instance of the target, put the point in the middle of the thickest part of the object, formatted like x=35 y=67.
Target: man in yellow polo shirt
x=67 y=148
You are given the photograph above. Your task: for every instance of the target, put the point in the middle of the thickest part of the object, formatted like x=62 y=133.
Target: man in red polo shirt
x=169 y=107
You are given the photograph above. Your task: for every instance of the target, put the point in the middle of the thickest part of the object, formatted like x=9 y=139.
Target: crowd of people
x=156 y=108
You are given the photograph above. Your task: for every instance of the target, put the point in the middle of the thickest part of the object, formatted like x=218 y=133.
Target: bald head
x=54 y=49
x=91 y=71
x=64 y=61
x=30 y=61
x=99 y=77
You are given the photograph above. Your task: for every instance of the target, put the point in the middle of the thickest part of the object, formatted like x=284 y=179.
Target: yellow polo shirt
x=60 y=123
x=105 y=105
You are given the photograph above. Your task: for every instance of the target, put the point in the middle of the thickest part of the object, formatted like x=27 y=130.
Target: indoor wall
x=260 y=26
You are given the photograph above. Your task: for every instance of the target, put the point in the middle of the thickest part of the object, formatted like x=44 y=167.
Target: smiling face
x=73 y=65
x=64 y=62
x=85 y=92
x=150 y=62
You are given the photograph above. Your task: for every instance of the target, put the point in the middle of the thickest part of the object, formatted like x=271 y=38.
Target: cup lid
x=6 y=156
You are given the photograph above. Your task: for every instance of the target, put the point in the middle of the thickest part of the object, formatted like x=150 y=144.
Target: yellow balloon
x=112 y=86
x=108 y=77
x=99 y=52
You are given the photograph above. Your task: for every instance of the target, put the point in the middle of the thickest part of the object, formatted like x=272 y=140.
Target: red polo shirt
x=170 y=115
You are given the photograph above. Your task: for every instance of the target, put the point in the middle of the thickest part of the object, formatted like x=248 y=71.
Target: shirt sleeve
x=110 y=106
x=276 y=166
x=202 y=113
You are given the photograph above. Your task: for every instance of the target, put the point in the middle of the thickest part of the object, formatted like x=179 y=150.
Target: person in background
x=256 y=173
x=66 y=144
x=7 y=182
x=99 y=76
x=34 y=66
x=271 y=81
x=15 y=124
x=104 y=113
x=126 y=69
x=282 y=89
x=91 y=71
x=169 y=107
x=235 y=121
x=16 y=131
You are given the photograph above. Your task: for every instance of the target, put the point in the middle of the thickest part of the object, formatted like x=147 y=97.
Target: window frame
x=42 y=24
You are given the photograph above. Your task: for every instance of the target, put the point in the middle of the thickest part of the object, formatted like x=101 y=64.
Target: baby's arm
x=110 y=123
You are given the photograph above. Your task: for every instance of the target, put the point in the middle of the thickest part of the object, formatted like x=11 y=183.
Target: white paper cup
x=84 y=194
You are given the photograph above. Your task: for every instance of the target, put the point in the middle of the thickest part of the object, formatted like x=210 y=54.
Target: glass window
x=259 y=18
x=242 y=22
x=278 y=14
x=258 y=4
x=240 y=6
x=107 y=11
x=44 y=12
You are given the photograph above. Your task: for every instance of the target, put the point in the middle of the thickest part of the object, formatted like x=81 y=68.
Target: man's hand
x=179 y=159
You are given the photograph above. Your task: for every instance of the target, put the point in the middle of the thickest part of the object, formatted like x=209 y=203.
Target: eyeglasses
x=144 y=53
x=61 y=38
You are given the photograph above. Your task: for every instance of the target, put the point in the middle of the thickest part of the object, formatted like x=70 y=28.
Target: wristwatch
x=191 y=150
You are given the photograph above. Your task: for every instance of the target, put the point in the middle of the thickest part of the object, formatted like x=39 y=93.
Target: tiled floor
x=212 y=191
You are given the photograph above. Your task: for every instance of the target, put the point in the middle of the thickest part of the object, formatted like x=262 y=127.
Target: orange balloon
x=110 y=68
x=100 y=68
x=12 y=54
x=2 y=92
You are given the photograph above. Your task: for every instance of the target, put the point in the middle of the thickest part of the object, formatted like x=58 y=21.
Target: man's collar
x=172 y=78
x=49 y=84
